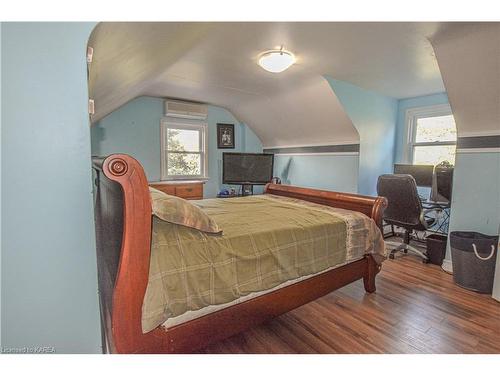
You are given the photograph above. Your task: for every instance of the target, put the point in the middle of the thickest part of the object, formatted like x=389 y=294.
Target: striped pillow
x=180 y=211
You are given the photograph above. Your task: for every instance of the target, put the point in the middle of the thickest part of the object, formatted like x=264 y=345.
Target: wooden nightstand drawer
x=167 y=189
x=189 y=191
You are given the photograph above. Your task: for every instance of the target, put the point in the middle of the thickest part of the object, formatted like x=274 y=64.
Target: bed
x=126 y=235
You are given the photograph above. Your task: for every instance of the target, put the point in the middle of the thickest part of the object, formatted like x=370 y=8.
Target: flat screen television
x=421 y=173
x=246 y=168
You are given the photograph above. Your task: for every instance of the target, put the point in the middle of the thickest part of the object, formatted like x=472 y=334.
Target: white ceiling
x=216 y=63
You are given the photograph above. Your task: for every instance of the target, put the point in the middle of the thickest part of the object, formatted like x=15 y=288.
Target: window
x=183 y=150
x=432 y=135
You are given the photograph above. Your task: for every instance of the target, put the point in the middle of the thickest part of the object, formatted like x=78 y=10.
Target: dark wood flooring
x=417 y=309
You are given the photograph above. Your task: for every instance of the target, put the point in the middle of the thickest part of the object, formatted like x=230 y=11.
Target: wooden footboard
x=123 y=232
x=371 y=206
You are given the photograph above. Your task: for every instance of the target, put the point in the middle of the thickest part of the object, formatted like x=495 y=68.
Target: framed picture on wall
x=225 y=135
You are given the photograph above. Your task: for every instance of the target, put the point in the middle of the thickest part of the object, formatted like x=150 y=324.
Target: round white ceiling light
x=276 y=61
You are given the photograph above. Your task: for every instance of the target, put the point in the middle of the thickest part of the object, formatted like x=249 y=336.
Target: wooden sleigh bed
x=123 y=230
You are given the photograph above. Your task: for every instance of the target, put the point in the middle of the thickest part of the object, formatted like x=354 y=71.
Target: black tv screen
x=246 y=168
x=421 y=173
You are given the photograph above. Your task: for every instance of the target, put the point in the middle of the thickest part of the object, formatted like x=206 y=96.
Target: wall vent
x=176 y=108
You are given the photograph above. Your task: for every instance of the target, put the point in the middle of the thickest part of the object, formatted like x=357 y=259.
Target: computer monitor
x=442 y=185
x=421 y=173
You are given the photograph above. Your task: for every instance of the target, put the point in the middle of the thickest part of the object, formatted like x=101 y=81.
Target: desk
x=442 y=223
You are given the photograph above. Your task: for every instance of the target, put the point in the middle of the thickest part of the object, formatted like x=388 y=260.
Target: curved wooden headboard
x=123 y=231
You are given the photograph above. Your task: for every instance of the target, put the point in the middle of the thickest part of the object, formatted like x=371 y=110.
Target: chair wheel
x=425 y=261
x=391 y=256
x=405 y=251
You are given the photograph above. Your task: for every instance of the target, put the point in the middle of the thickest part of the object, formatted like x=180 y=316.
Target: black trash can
x=473 y=256
x=436 y=248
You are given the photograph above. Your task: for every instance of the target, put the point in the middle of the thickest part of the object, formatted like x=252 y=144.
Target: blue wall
x=135 y=129
x=401 y=131
x=132 y=129
x=0 y=185
x=49 y=281
x=374 y=116
x=328 y=172
x=476 y=193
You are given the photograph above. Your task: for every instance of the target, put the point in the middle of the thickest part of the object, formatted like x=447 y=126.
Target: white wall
x=469 y=61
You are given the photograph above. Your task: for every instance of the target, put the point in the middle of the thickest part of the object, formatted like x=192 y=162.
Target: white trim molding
x=340 y=143
x=447 y=266
x=477 y=150
x=350 y=153
x=479 y=134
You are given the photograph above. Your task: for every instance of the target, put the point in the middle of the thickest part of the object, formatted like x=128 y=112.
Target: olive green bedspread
x=266 y=241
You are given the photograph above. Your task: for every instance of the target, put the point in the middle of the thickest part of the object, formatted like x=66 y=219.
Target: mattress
x=191 y=315
x=268 y=242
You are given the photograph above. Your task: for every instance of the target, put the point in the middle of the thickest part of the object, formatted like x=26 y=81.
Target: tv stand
x=246 y=189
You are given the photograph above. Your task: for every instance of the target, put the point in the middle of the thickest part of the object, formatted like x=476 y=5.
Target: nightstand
x=182 y=189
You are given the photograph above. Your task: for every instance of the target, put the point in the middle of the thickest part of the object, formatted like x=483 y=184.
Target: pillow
x=179 y=211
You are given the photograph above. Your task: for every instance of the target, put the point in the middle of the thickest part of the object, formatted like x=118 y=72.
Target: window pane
x=433 y=154
x=180 y=164
x=183 y=140
x=436 y=129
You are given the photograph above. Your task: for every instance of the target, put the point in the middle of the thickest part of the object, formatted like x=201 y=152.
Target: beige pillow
x=179 y=211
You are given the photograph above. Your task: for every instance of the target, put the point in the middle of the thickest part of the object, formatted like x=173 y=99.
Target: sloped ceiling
x=469 y=59
x=216 y=63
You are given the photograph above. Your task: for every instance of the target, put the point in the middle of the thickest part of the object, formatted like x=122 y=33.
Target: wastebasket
x=436 y=248
x=473 y=256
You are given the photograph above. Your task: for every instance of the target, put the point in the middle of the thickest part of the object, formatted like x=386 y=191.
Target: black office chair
x=404 y=209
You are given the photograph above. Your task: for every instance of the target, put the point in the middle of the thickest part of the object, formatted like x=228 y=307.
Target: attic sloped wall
x=469 y=60
x=374 y=116
x=192 y=64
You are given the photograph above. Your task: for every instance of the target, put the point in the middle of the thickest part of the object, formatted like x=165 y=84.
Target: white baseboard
x=447 y=266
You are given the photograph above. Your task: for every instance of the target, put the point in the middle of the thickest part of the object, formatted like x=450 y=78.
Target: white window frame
x=202 y=127
x=411 y=118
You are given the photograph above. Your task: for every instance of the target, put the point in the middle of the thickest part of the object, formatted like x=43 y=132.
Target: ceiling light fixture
x=276 y=61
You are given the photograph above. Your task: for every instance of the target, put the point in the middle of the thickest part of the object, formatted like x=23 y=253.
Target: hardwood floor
x=417 y=309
